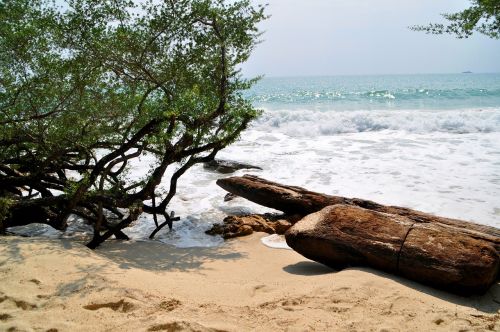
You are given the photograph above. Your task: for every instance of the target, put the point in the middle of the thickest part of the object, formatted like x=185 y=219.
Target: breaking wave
x=314 y=123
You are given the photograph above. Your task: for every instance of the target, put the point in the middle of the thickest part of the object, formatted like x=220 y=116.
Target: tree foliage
x=89 y=87
x=482 y=16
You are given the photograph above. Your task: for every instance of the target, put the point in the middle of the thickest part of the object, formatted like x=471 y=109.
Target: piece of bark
x=297 y=200
x=229 y=197
x=343 y=235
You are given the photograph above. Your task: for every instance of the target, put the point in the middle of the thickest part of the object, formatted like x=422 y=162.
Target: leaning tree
x=88 y=87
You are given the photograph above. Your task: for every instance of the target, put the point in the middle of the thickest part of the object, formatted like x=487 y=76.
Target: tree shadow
x=16 y=250
x=10 y=251
x=156 y=256
x=308 y=268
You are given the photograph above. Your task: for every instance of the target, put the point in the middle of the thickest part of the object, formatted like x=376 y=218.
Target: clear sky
x=343 y=37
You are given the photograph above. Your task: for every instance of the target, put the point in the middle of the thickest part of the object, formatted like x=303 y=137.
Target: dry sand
x=59 y=285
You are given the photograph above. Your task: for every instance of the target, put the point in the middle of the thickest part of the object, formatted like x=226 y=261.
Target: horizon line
x=379 y=74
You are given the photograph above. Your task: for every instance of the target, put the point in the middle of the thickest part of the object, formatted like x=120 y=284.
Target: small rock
x=241 y=231
x=227 y=166
x=217 y=229
x=229 y=197
x=281 y=226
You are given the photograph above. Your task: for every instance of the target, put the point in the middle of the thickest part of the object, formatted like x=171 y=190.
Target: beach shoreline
x=240 y=286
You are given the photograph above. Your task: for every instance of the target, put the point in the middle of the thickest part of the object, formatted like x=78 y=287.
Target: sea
x=428 y=142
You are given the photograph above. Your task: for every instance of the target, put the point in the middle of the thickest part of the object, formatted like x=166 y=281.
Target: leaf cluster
x=88 y=87
x=482 y=16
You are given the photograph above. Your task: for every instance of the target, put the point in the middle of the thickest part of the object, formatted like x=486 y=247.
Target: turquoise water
x=382 y=92
x=428 y=142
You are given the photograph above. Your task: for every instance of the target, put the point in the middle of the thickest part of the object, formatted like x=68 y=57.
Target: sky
x=356 y=37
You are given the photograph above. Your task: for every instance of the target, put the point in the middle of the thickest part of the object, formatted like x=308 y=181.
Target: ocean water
x=428 y=142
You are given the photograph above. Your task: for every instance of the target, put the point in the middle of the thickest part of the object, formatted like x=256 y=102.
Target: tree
x=87 y=88
x=482 y=16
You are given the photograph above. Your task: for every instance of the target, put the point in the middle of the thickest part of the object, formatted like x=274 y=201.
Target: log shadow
x=488 y=303
x=155 y=256
x=308 y=268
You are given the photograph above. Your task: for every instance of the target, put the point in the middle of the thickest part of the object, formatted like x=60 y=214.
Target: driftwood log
x=346 y=235
x=296 y=200
x=455 y=255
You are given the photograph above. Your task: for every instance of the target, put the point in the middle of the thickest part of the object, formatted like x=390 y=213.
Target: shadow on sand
x=10 y=251
x=488 y=303
x=155 y=256
x=308 y=268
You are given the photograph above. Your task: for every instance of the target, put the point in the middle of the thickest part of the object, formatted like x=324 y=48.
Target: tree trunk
x=297 y=200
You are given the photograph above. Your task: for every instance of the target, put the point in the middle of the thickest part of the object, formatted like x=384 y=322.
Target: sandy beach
x=60 y=285
x=147 y=145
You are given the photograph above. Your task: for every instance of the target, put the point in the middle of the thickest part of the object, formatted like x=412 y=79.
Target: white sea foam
x=275 y=241
x=446 y=163
x=313 y=123
x=445 y=173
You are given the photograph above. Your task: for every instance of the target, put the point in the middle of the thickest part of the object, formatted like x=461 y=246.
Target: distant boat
x=467 y=72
